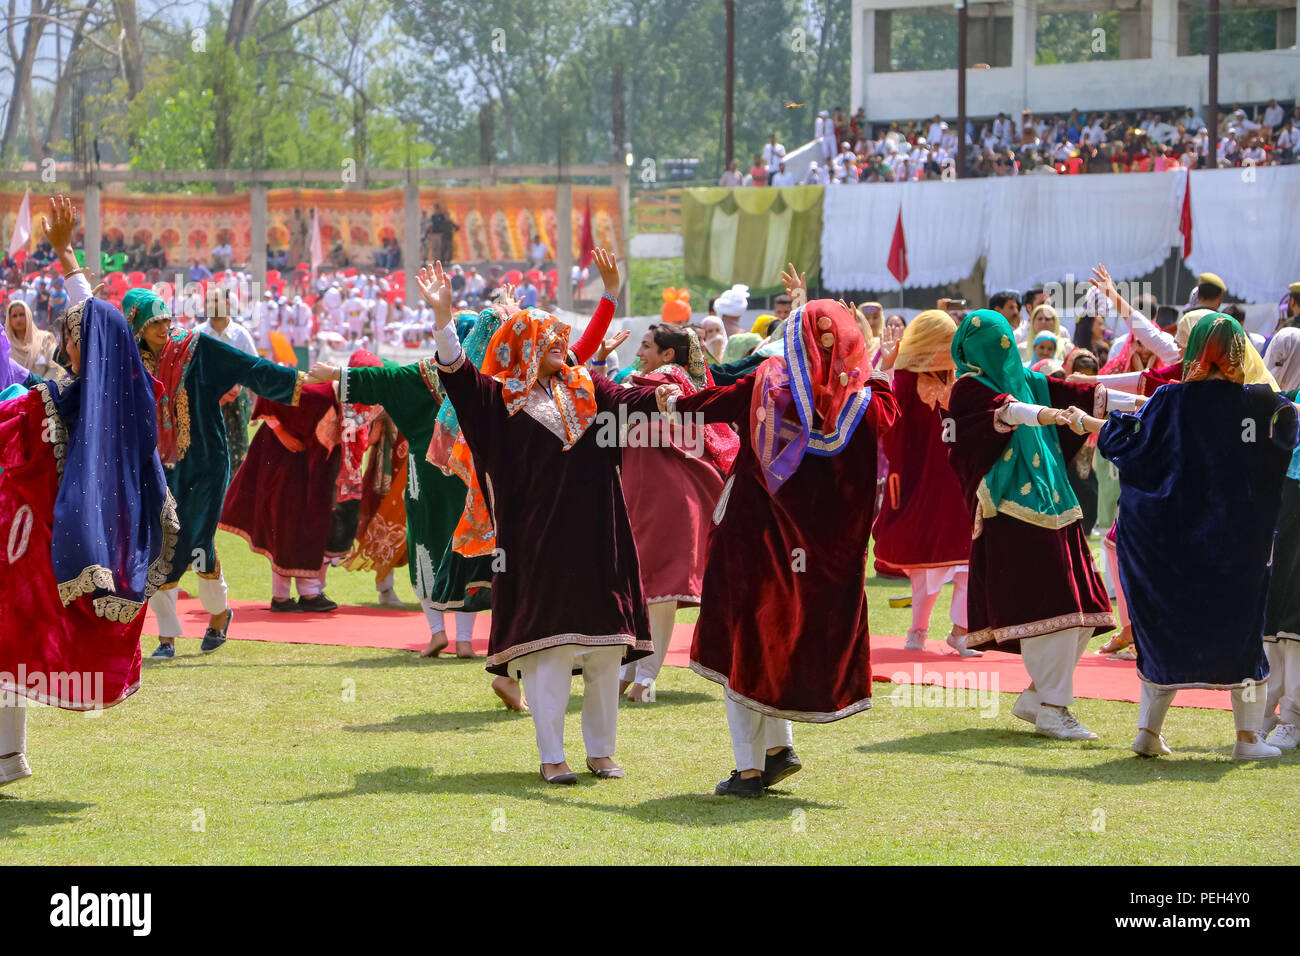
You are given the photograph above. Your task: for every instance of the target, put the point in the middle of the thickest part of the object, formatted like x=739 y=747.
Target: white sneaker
x=915 y=640
x=1027 y=706
x=1060 y=723
x=1256 y=750
x=1147 y=744
x=958 y=643
x=389 y=598
x=1284 y=737
x=13 y=769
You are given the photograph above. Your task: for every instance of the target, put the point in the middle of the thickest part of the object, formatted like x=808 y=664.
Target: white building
x=1156 y=65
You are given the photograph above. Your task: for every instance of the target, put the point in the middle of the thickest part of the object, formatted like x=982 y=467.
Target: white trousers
x=1283 y=679
x=548 y=679
x=308 y=587
x=663 y=616
x=1155 y=702
x=212 y=595
x=1050 y=660
x=1112 y=569
x=13 y=727
x=386 y=584
x=437 y=621
x=753 y=733
x=927 y=583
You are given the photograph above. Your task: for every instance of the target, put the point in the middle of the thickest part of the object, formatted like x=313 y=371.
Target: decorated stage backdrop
x=496 y=222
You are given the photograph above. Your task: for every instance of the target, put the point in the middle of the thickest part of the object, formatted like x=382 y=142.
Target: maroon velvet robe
x=565 y=566
x=923 y=521
x=783 y=616
x=280 y=501
x=1025 y=580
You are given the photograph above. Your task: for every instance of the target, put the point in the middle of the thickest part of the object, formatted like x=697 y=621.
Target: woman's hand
x=890 y=336
x=608 y=267
x=611 y=343
x=665 y=392
x=324 y=372
x=796 y=285
x=63 y=219
x=435 y=290
x=506 y=299
x=1102 y=282
x=1053 y=416
x=1081 y=423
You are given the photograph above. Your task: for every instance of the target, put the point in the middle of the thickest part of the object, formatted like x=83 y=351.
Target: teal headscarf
x=474 y=342
x=1029 y=480
x=144 y=306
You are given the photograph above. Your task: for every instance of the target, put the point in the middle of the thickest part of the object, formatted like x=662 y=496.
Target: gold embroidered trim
x=297 y=390
x=94 y=578
x=804 y=716
x=56 y=429
x=454 y=366
x=541 y=408
x=283 y=572
x=1020 y=632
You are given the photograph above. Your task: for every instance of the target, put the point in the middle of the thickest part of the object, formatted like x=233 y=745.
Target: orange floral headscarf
x=513 y=358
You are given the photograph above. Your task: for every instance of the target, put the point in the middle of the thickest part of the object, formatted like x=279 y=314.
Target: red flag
x=898 y=251
x=1185 y=224
x=587 y=244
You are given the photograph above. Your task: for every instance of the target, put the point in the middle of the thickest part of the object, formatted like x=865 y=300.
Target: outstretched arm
x=594 y=333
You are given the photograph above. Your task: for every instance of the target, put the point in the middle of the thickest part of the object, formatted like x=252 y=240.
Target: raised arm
x=594 y=333
x=1147 y=332
x=58 y=230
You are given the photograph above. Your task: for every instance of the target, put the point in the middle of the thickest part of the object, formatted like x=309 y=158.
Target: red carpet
x=1096 y=677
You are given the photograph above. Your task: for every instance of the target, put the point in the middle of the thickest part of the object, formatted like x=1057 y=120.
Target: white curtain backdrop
x=1035 y=229
x=1246 y=229
x=857 y=228
x=943 y=222
x=1044 y=228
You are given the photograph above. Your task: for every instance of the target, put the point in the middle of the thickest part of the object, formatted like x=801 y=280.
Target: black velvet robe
x=566 y=568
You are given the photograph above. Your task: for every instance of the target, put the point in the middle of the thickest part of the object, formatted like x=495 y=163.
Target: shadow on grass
x=690 y=809
x=17 y=814
x=1122 y=769
x=435 y=722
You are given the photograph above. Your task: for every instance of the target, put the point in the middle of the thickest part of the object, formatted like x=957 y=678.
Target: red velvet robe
x=1025 y=580
x=62 y=656
x=783 y=616
x=923 y=521
x=280 y=500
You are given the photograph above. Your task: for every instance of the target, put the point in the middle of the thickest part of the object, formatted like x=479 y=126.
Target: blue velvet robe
x=1201 y=468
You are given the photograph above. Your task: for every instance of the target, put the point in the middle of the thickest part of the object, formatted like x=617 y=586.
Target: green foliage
x=1240 y=31
x=1069 y=37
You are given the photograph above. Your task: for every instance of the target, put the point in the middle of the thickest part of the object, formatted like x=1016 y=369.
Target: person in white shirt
x=1287 y=141
x=354 y=314
x=949 y=142
x=1002 y=130
x=781 y=177
x=937 y=126
x=1273 y=115
x=773 y=153
x=824 y=131
x=1191 y=120
x=816 y=176
x=730 y=176
x=846 y=155
x=1163 y=133
x=379 y=319
x=332 y=299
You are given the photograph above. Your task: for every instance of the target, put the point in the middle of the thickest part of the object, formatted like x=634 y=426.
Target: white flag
x=22 y=225
x=317 y=257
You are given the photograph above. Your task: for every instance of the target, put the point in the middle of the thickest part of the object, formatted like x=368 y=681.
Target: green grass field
x=274 y=753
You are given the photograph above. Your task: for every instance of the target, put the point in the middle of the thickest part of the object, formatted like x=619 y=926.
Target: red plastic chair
x=514 y=277
x=272 y=276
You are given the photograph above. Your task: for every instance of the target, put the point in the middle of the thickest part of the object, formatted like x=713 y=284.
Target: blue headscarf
x=115 y=522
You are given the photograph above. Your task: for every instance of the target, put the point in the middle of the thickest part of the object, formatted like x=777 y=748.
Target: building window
x=1243 y=28
x=925 y=38
x=1080 y=31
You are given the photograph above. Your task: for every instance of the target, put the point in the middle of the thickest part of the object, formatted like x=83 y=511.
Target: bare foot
x=436 y=643
x=465 y=649
x=512 y=695
x=1117 y=643
x=637 y=693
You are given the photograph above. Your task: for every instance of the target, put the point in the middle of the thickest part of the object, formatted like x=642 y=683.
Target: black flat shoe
x=284 y=605
x=212 y=638
x=318 y=603
x=609 y=773
x=564 y=779
x=738 y=786
x=778 y=766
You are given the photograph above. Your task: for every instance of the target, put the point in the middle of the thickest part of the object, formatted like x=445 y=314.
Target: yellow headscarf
x=927 y=343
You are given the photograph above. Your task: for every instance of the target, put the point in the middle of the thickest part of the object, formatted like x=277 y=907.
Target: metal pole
x=729 y=112
x=961 y=89
x=1212 y=50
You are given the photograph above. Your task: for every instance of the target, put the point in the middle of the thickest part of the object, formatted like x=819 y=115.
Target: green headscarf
x=143 y=306
x=740 y=345
x=1216 y=341
x=1029 y=480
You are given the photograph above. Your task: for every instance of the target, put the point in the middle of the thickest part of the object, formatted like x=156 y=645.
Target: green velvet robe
x=198 y=480
x=434 y=501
